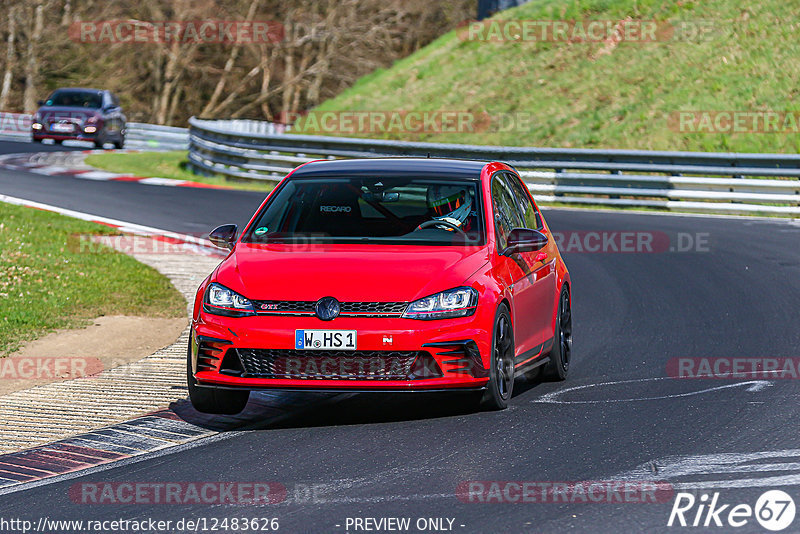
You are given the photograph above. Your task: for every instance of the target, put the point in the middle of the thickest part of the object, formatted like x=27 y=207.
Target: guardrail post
x=617 y=172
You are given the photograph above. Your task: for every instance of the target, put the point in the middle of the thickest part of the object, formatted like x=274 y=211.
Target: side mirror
x=524 y=240
x=41 y=103
x=224 y=236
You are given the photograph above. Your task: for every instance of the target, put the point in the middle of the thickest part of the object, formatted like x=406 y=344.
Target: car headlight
x=458 y=302
x=222 y=301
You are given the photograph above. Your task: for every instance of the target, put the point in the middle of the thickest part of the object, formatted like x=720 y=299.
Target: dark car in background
x=80 y=114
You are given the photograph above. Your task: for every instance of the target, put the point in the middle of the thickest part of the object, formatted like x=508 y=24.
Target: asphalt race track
x=619 y=416
x=18 y=147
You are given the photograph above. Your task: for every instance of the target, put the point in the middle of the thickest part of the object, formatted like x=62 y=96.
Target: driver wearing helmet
x=452 y=204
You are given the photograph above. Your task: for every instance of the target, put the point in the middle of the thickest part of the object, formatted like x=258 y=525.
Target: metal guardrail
x=17 y=126
x=679 y=181
x=249 y=126
x=154 y=136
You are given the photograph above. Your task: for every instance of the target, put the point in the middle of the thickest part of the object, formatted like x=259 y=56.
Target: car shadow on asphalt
x=281 y=410
x=262 y=408
x=375 y=408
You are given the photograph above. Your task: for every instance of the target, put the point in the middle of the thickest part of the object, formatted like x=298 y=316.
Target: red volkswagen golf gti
x=383 y=275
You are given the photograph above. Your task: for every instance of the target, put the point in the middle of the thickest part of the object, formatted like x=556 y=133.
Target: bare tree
x=32 y=62
x=10 y=57
x=211 y=106
x=327 y=46
x=66 y=13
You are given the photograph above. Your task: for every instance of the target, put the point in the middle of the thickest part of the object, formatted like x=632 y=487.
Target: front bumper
x=430 y=355
x=38 y=135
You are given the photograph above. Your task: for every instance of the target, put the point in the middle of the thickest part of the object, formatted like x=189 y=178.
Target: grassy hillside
x=596 y=95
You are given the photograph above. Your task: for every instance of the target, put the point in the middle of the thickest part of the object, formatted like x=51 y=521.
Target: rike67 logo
x=774 y=510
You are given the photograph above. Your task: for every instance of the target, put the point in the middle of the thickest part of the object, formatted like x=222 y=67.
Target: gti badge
x=387 y=340
x=327 y=308
x=269 y=306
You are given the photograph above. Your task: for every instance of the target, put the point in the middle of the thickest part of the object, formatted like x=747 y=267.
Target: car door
x=541 y=279
x=515 y=268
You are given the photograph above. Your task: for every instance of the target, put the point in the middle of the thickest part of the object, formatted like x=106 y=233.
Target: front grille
x=347 y=309
x=284 y=306
x=373 y=308
x=333 y=365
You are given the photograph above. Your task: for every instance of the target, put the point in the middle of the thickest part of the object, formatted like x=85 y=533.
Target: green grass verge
x=172 y=164
x=590 y=95
x=48 y=281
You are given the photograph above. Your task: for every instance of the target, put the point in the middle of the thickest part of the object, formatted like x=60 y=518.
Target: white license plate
x=62 y=127
x=325 y=339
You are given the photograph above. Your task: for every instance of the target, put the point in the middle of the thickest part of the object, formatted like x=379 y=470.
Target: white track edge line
x=122 y=225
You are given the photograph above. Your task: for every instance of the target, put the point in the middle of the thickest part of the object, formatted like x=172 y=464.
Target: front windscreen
x=412 y=211
x=79 y=99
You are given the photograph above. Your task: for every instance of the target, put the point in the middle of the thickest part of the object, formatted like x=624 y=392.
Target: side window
x=529 y=212
x=506 y=216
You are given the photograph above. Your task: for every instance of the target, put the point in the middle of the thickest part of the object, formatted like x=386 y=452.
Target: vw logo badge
x=327 y=308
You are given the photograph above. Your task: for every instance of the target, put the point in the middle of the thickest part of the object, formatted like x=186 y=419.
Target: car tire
x=57 y=141
x=37 y=140
x=212 y=400
x=561 y=353
x=501 y=371
x=100 y=140
x=121 y=143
